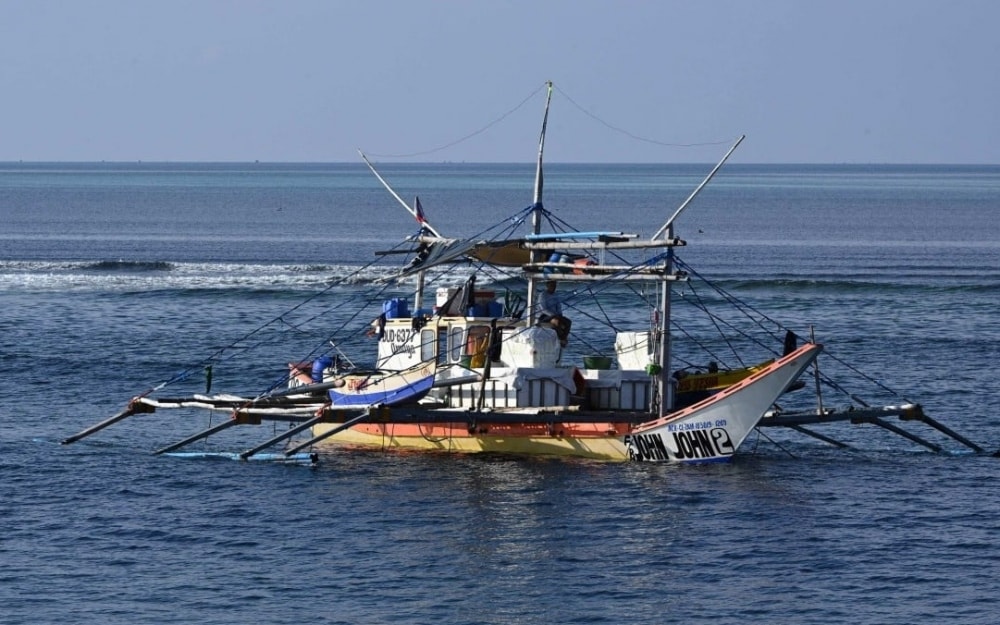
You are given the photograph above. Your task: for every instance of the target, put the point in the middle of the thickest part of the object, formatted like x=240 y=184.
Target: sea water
x=117 y=277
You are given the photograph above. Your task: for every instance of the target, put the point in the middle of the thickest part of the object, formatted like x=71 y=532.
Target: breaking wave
x=128 y=265
x=141 y=276
x=898 y=284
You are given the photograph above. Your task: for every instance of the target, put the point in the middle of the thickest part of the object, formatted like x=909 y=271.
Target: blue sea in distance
x=114 y=277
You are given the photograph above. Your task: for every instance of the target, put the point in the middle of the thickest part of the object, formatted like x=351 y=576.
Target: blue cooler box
x=396 y=308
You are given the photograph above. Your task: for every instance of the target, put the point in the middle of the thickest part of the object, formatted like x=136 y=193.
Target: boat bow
x=714 y=428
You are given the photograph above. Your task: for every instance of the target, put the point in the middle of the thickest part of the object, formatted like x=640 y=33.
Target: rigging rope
x=575 y=104
x=217 y=355
x=468 y=136
x=635 y=136
x=757 y=316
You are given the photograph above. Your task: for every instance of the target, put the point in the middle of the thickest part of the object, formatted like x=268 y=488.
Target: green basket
x=596 y=362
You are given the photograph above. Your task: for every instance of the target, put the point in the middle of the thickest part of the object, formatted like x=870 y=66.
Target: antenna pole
x=697 y=190
x=412 y=211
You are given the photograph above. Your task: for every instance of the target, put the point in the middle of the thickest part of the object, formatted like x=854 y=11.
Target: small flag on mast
x=419 y=212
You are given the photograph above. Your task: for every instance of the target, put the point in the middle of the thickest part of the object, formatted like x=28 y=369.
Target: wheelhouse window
x=428 y=345
x=456 y=343
x=479 y=338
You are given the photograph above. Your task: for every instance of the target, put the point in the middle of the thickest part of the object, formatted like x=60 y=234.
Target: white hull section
x=383 y=387
x=713 y=429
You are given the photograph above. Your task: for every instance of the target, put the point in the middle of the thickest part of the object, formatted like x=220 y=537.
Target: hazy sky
x=826 y=81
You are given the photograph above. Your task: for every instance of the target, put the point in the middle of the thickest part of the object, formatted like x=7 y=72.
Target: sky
x=808 y=81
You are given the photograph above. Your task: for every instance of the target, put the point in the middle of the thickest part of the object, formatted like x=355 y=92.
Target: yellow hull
x=593 y=441
x=717 y=380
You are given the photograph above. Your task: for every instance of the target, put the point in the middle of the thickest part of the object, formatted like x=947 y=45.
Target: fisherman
x=550 y=311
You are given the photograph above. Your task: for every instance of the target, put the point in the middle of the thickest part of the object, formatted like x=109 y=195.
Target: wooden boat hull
x=580 y=440
x=711 y=430
x=714 y=428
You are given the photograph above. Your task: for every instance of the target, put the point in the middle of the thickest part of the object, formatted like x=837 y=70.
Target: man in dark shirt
x=550 y=311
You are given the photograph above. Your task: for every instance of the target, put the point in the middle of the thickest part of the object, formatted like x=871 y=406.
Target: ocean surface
x=115 y=278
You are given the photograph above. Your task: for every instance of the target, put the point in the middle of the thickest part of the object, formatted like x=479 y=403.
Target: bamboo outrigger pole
x=134 y=407
x=364 y=416
x=225 y=425
x=409 y=209
x=698 y=189
x=284 y=435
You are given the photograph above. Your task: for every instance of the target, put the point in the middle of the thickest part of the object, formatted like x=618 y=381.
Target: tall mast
x=536 y=212
x=664 y=387
x=541 y=151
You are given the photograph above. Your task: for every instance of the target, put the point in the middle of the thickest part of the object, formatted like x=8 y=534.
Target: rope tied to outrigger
x=241 y=345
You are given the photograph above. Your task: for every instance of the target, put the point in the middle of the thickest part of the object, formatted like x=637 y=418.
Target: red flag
x=420 y=212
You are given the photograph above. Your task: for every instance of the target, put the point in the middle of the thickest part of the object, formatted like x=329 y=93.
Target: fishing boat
x=462 y=367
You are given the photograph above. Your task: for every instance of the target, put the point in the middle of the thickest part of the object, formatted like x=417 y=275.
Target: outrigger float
x=475 y=372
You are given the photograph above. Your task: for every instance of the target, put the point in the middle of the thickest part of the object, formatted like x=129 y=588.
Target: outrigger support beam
x=875 y=416
x=364 y=416
x=898 y=430
x=948 y=432
x=285 y=435
x=822 y=437
x=200 y=435
x=136 y=406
